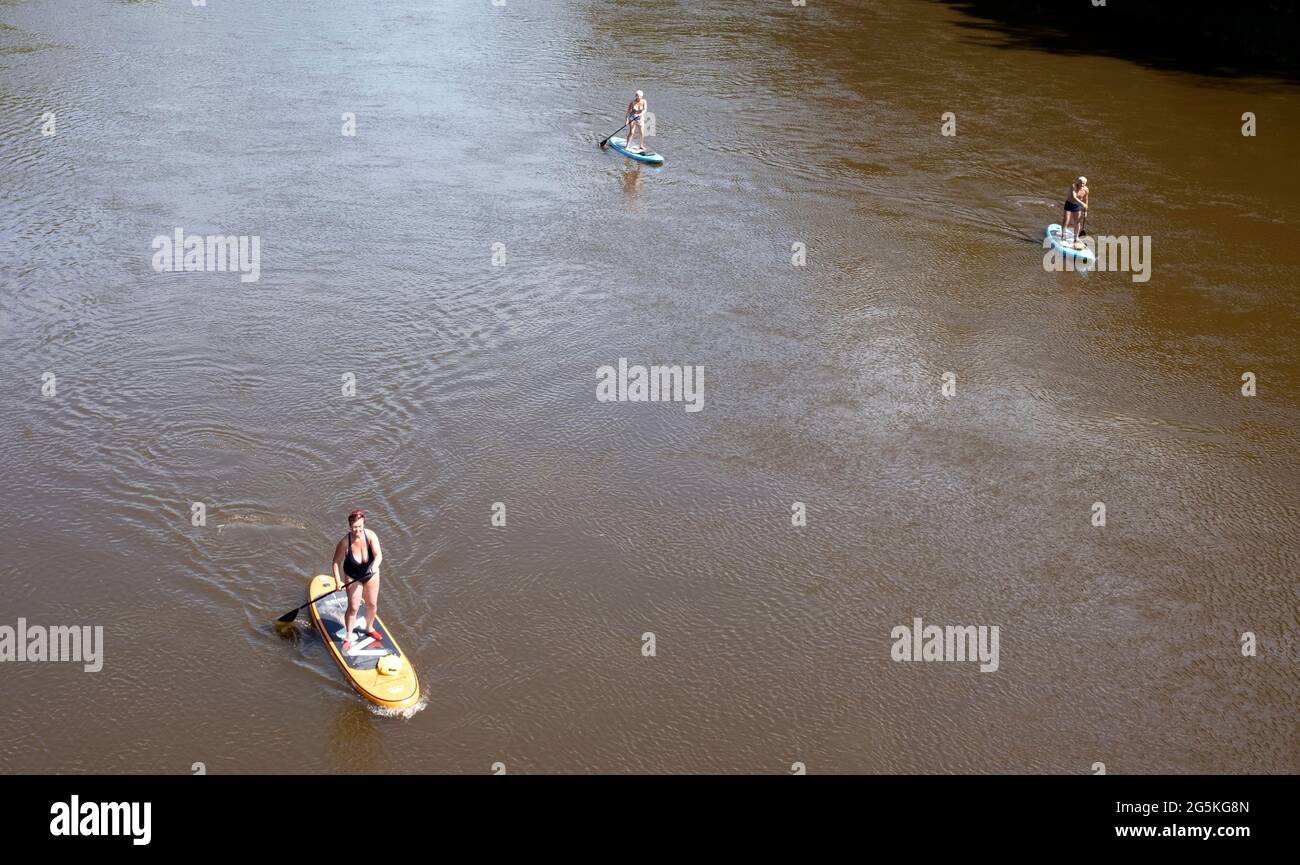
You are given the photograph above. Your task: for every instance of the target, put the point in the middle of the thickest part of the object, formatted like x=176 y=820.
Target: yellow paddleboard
x=376 y=668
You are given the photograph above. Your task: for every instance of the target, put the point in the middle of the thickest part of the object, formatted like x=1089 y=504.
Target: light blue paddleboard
x=620 y=144
x=1069 y=245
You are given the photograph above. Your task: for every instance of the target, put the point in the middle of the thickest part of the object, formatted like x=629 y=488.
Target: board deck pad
x=332 y=610
x=1066 y=245
x=360 y=663
x=620 y=144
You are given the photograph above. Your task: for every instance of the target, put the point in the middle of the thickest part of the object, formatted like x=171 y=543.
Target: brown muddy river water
x=901 y=414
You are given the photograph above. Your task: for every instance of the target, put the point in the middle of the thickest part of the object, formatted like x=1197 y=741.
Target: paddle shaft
x=293 y=614
x=615 y=132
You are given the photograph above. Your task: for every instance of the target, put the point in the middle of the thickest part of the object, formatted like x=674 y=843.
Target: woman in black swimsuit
x=360 y=555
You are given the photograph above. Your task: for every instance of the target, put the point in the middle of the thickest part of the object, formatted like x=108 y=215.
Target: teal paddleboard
x=620 y=144
x=1069 y=245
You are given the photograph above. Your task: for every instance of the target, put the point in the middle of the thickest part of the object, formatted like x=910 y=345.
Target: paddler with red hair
x=360 y=554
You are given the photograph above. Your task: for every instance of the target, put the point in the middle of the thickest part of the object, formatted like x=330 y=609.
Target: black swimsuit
x=359 y=571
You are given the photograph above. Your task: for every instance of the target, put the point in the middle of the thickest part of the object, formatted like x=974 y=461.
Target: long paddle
x=293 y=614
x=612 y=134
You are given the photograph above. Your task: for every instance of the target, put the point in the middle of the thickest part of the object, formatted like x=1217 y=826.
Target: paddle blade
x=289 y=616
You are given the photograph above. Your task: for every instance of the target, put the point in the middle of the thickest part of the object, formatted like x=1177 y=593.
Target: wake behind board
x=1070 y=245
x=376 y=668
x=620 y=144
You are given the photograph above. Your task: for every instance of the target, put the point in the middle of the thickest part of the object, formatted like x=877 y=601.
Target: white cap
x=639 y=94
x=1081 y=179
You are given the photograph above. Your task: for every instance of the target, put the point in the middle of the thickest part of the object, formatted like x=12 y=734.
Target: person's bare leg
x=371 y=590
x=354 y=601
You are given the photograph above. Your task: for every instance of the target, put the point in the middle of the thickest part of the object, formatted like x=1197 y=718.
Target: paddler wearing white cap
x=636 y=120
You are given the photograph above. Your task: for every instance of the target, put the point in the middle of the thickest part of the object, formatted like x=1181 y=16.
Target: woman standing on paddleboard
x=360 y=555
x=1076 y=206
x=636 y=120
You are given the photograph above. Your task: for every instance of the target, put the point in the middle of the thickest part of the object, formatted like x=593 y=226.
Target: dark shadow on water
x=1240 y=39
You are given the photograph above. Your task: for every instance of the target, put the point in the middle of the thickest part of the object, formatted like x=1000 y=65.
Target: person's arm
x=338 y=559
x=379 y=553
